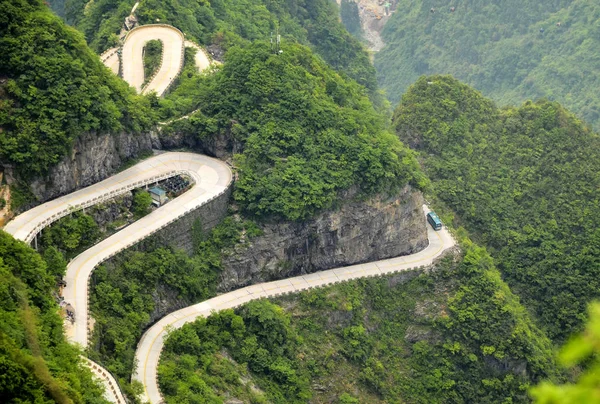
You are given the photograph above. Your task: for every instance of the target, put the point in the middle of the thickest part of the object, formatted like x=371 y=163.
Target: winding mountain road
x=172 y=56
x=110 y=58
x=202 y=60
x=211 y=178
x=132 y=57
x=151 y=344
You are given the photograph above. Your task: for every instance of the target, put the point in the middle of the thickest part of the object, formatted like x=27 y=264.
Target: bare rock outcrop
x=93 y=158
x=359 y=231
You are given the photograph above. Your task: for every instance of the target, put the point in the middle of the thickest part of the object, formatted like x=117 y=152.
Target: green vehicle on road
x=434 y=221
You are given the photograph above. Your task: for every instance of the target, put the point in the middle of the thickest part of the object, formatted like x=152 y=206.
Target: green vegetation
x=455 y=335
x=20 y=196
x=512 y=50
x=136 y=288
x=192 y=367
x=351 y=18
x=525 y=181
x=71 y=235
x=582 y=348
x=141 y=203
x=152 y=58
x=235 y=22
x=37 y=364
x=307 y=133
x=53 y=88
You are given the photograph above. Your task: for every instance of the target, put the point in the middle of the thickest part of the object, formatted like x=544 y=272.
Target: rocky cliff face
x=379 y=228
x=92 y=159
x=222 y=145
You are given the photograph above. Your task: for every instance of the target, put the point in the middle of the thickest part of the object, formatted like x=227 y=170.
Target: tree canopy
x=37 y=364
x=525 y=180
x=235 y=22
x=456 y=334
x=581 y=350
x=512 y=51
x=53 y=88
x=307 y=132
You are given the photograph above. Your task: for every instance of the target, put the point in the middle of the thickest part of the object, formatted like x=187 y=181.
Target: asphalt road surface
x=172 y=56
x=211 y=178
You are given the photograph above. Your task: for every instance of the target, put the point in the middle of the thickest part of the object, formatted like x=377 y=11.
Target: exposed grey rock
x=360 y=231
x=175 y=140
x=339 y=319
x=403 y=277
x=517 y=366
x=221 y=145
x=415 y=333
x=166 y=300
x=179 y=233
x=155 y=140
x=93 y=158
x=216 y=52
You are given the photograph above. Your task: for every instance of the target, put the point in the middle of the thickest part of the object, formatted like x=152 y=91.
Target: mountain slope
x=53 y=89
x=456 y=334
x=305 y=132
x=524 y=180
x=37 y=364
x=511 y=51
x=227 y=23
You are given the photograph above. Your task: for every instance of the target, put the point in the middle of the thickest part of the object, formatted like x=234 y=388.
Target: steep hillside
x=53 y=89
x=524 y=180
x=303 y=132
x=511 y=50
x=37 y=364
x=226 y=23
x=456 y=334
x=582 y=349
x=307 y=140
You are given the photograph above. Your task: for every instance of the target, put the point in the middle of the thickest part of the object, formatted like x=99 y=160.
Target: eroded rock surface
x=92 y=159
x=361 y=231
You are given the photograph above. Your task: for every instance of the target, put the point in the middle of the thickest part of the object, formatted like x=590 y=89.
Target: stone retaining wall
x=179 y=233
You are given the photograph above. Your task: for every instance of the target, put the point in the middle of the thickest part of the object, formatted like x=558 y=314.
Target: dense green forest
x=37 y=364
x=126 y=291
x=512 y=50
x=307 y=132
x=227 y=23
x=524 y=180
x=53 y=88
x=152 y=59
x=457 y=335
x=70 y=235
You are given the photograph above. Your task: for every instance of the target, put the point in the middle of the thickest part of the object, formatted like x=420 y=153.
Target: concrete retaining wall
x=179 y=233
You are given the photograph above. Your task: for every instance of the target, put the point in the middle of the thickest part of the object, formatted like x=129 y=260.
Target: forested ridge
x=525 y=180
x=53 y=88
x=228 y=23
x=511 y=51
x=306 y=132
